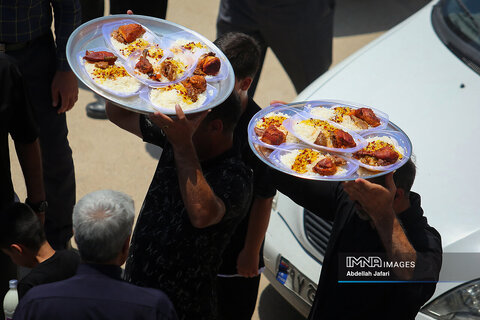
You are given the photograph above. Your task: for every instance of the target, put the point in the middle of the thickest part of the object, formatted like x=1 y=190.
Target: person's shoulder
x=48 y=290
x=69 y=255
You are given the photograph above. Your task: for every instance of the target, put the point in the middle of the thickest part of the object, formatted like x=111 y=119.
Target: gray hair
x=102 y=221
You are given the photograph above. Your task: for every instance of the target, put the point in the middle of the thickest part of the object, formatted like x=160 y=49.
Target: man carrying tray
x=379 y=224
x=199 y=193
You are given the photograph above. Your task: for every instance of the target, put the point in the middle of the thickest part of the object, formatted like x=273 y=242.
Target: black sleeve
x=263 y=186
x=232 y=183
x=427 y=243
x=151 y=133
x=22 y=126
x=319 y=197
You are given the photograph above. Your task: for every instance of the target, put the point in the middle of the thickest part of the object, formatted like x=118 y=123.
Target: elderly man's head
x=102 y=224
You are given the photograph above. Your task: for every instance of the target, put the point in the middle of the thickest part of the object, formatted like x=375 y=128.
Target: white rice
x=126 y=84
x=168 y=99
x=329 y=114
x=391 y=141
x=306 y=131
x=124 y=48
x=288 y=159
x=179 y=43
x=323 y=113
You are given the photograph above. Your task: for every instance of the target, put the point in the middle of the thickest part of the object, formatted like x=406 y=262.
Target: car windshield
x=463 y=18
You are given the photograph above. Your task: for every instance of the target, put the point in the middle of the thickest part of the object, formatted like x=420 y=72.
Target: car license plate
x=290 y=277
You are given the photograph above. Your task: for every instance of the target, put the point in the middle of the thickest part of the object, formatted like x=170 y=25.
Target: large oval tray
x=89 y=35
x=263 y=153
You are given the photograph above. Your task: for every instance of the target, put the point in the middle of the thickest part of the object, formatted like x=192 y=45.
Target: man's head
x=244 y=53
x=21 y=234
x=102 y=224
x=215 y=132
x=403 y=178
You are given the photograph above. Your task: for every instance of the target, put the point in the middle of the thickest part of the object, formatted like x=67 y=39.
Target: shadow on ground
x=353 y=17
x=272 y=306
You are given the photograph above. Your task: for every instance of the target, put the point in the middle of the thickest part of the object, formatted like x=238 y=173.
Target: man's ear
x=216 y=125
x=17 y=249
x=399 y=193
x=245 y=83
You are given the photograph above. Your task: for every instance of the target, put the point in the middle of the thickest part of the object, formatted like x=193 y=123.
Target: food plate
x=145 y=94
x=189 y=44
x=268 y=112
x=103 y=84
x=307 y=129
x=398 y=140
x=299 y=159
x=89 y=35
x=326 y=110
x=269 y=153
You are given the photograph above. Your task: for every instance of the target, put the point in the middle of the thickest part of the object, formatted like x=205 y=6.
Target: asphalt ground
x=108 y=158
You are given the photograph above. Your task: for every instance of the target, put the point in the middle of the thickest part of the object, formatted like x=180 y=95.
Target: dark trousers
x=92 y=9
x=237 y=297
x=38 y=66
x=299 y=32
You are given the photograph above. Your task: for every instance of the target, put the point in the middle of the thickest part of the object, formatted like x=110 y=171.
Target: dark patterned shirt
x=167 y=252
x=26 y=20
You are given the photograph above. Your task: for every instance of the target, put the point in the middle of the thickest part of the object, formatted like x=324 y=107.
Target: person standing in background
x=16 y=119
x=239 y=274
x=299 y=32
x=26 y=36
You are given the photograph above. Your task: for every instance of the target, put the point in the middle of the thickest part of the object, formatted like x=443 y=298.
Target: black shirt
x=167 y=252
x=262 y=188
x=62 y=265
x=16 y=119
x=350 y=234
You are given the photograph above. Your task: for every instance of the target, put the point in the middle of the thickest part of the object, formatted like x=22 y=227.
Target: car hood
x=427 y=91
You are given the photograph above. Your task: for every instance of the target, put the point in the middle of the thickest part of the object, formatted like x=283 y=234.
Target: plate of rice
x=385 y=151
x=323 y=134
x=106 y=71
x=182 y=93
x=128 y=36
x=358 y=118
x=132 y=35
x=266 y=127
x=312 y=163
x=209 y=61
x=156 y=67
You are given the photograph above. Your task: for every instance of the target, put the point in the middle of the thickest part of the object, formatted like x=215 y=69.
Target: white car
x=425 y=74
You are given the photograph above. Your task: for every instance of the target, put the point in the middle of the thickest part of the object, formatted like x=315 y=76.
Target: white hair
x=102 y=222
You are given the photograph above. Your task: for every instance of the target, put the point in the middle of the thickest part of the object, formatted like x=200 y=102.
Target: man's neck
x=222 y=146
x=243 y=100
x=45 y=252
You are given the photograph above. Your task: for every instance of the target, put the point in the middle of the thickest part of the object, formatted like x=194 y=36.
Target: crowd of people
x=196 y=249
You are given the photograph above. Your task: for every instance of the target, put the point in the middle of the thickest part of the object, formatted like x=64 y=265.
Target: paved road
x=108 y=158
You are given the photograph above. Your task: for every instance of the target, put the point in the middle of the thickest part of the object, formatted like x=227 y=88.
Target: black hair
x=20 y=225
x=403 y=177
x=229 y=111
x=243 y=52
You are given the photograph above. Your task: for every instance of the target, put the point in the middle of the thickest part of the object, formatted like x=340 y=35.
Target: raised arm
x=204 y=208
x=125 y=119
x=378 y=201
